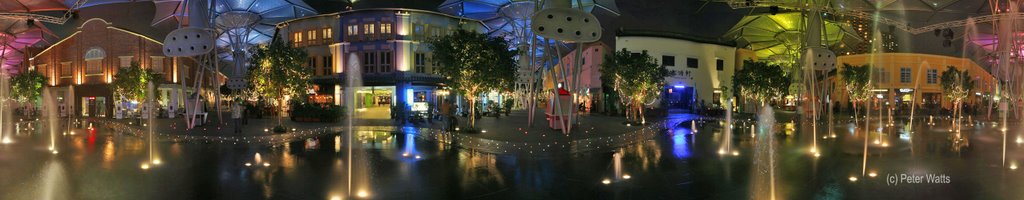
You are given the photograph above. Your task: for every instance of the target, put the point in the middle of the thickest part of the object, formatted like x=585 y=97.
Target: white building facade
x=387 y=47
x=700 y=67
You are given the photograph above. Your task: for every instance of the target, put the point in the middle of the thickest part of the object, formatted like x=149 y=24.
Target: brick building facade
x=81 y=66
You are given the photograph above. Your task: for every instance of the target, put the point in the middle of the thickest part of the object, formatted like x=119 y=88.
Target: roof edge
x=339 y=13
x=672 y=35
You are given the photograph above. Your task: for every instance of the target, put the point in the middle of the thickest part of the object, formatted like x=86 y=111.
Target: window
x=420 y=97
x=158 y=64
x=93 y=67
x=385 y=28
x=421 y=63
x=418 y=29
x=905 y=75
x=933 y=75
x=328 y=35
x=668 y=61
x=369 y=62
x=368 y=29
x=715 y=97
x=125 y=61
x=297 y=39
x=385 y=62
x=311 y=62
x=65 y=69
x=353 y=30
x=692 y=63
x=327 y=65
x=311 y=34
x=719 y=65
x=882 y=75
x=435 y=31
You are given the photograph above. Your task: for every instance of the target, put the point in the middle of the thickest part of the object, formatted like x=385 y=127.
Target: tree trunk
x=472 y=110
x=280 y=106
x=856 y=112
x=640 y=112
x=952 y=122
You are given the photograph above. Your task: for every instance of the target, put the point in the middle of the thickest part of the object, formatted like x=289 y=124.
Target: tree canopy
x=130 y=83
x=760 y=81
x=277 y=70
x=27 y=86
x=857 y=80
x=956 y=84
x=636 y=77
x=473 y=63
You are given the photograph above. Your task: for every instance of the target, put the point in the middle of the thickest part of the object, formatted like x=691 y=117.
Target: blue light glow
x=679 y=86
x=679 y=143
x=408 y=97
x=409 y=152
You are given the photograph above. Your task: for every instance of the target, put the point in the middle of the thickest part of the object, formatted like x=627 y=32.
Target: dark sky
x=694 y=17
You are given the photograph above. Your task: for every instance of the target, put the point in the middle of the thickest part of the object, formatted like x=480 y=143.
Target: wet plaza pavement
x=674 y=163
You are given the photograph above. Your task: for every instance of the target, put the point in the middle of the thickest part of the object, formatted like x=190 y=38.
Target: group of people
x=240 y=113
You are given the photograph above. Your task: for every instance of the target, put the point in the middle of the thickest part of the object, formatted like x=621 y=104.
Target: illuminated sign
x=904 y=90
x=419 y=106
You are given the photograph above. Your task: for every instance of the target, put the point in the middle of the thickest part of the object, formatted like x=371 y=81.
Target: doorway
x=94 y=106
x=678 y=97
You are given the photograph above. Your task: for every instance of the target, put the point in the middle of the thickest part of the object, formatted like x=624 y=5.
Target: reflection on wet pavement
x=676 y=163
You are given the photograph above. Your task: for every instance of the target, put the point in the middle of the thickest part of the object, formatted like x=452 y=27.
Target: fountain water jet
x=764 y=156
x=5 y=112
x=150 y=115
x=726 y=146
x=353 y=81
x=49 y=100
x=53 y=182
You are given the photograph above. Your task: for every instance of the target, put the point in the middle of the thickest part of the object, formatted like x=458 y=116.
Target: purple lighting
x=19 y=36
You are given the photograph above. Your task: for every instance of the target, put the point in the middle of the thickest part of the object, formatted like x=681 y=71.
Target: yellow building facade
x=898 y=78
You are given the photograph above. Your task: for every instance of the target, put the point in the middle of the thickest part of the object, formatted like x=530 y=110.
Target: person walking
x=446 y=112
x=236 y=115
x=246 y=112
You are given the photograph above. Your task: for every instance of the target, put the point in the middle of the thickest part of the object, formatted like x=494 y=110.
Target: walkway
x=508 y=134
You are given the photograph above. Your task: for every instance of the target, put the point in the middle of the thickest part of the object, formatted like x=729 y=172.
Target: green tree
x=636 y=78
x=473 y=63
x=27 y=86
x=760 y=81
x=957 y=86
x=130 y=83
x=858 y=83
x=277 y=70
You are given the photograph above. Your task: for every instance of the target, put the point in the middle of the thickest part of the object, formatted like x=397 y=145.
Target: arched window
x=94 y=60
x=95 y=53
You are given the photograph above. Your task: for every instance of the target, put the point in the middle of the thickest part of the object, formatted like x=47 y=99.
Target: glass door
x=101 y=106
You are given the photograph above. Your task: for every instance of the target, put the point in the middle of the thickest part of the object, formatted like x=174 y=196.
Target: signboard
x=419 y=106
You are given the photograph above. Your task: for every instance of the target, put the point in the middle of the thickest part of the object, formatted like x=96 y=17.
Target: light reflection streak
x=108 y=153
x=679 y=143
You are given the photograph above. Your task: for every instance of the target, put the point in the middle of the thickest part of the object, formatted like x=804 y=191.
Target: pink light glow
x=16 y=37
